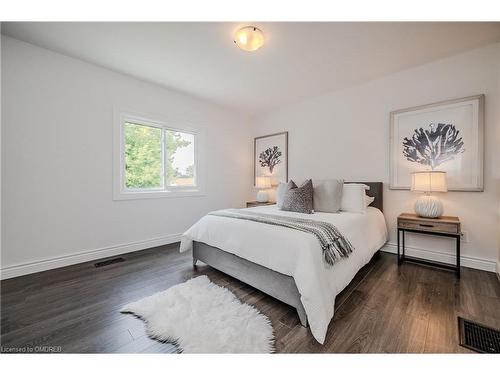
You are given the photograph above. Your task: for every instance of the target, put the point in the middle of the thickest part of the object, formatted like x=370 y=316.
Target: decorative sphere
x=428 y=206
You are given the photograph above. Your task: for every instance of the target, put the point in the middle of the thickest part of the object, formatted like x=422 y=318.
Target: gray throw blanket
x=333 y=243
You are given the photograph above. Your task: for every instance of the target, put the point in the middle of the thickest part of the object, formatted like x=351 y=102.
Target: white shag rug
x=202 y=317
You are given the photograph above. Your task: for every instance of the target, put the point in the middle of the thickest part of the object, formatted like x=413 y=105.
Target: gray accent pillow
x=327 y=195
x=299 y=199
x=281 y=191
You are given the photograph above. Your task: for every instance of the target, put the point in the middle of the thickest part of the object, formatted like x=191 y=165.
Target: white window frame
x=120 y=191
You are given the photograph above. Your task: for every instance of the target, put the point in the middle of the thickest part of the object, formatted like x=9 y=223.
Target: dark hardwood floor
x=385 y=309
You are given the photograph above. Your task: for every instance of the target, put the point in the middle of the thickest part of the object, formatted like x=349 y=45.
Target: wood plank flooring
x=385 y=309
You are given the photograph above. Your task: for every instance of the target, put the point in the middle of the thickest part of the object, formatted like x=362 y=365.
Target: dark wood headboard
x=376 y=191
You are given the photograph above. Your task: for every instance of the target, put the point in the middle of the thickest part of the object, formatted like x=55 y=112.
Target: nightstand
x=446 y=226
x=256 y=204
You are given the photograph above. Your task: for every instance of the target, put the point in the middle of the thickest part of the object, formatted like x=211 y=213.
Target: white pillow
x=281 y=191
x=353 y=198
x=368 y=200
x=327 y=195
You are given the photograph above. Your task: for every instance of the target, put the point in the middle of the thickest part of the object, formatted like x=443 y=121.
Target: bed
x=288 y=264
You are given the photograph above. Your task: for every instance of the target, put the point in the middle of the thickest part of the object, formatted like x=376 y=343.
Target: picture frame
x=446 y=136
x=270 y=157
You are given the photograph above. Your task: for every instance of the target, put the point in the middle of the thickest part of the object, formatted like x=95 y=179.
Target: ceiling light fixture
x=249 y=38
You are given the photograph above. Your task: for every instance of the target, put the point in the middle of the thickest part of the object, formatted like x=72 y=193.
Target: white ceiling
x=298 y=60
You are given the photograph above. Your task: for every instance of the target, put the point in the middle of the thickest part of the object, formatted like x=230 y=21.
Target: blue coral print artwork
x=445 y=136
x=433 y=146
x=270 y=158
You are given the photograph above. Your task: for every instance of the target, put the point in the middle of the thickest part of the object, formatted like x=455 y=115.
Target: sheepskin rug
x=201 y=317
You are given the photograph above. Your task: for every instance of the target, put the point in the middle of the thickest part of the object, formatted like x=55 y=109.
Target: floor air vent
x=477 y=337
x=108 y=262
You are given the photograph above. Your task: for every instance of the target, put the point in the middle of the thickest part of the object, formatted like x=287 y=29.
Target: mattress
x=297 y=254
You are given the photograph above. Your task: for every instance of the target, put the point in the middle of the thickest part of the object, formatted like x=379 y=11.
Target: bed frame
x=273 y=283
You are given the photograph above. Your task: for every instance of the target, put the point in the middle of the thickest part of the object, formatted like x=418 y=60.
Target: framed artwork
x=445 y=136
x=270 y=157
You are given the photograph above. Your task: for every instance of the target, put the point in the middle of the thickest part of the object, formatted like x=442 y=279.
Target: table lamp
x=429 y=182
x=262 y=183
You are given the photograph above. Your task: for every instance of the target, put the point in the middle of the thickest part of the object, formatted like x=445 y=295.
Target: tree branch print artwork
x=270 y=158
x=434 y=146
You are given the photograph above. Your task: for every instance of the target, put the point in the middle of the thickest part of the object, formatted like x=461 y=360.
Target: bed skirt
x=277 y=285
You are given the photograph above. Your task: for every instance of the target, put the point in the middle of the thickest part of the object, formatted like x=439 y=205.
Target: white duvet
x=296 y=253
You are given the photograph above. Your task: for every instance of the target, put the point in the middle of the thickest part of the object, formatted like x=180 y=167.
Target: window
x=143 y=157
x=155 y=160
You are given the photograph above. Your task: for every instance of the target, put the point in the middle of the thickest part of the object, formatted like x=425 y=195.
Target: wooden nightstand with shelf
x=446 y=226
x=256 y=204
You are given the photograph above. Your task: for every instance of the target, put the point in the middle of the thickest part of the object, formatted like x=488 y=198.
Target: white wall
x=57 y=124
x=1 y=143
x=498 y=165
x=346 y=134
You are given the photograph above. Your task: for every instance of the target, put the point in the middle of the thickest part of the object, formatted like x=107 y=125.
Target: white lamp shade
x=249 y=38
x=263 y=182
x=429 y=181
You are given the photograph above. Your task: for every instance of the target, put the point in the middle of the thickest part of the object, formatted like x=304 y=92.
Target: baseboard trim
x=84 y=256
x=465 y=261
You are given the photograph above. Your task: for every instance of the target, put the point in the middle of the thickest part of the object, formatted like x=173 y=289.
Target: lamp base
x=262 y=196
x=428 y=206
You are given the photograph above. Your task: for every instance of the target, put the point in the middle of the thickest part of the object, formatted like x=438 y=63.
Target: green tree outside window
x=144 y=163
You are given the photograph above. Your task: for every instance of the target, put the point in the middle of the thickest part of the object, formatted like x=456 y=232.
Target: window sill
x=157 y=194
